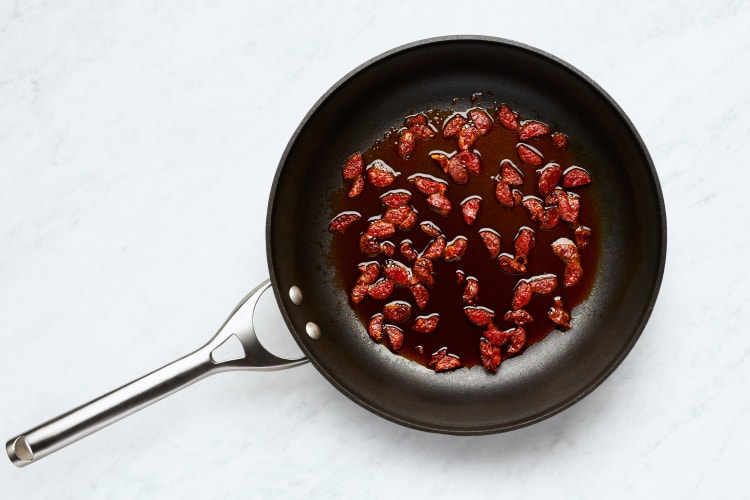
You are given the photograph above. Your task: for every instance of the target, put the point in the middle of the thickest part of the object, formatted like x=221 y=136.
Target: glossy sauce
x=454 y=331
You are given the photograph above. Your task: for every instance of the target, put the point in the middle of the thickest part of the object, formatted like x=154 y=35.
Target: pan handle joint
x=239 y=330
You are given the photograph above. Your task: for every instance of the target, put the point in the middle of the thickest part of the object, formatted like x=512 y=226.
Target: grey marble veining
x=133 y=194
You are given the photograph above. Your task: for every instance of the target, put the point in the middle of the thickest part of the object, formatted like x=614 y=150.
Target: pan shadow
x=527 y=445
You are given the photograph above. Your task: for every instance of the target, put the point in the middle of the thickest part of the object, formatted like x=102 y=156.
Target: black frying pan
x=550 y=375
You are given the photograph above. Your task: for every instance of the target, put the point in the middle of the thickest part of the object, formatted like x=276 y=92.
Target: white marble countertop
x=132 y=209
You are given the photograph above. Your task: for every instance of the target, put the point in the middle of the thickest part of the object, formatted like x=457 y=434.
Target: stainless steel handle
x=86 y=419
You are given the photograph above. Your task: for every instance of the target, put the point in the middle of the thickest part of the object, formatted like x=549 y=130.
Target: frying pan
x=550 y=375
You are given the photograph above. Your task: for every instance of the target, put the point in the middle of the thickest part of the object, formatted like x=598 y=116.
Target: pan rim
x=660 y=258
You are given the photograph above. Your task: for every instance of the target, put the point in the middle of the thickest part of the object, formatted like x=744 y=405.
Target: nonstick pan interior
x=550 y=375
